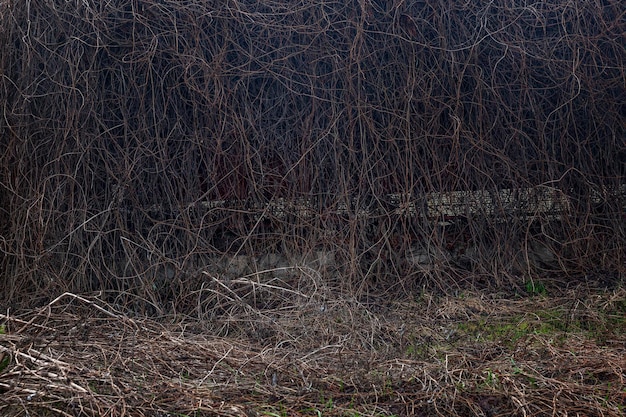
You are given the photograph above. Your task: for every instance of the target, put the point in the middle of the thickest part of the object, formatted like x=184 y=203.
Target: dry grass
x=466 y=355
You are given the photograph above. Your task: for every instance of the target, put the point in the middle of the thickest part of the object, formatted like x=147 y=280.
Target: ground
x=545 y=352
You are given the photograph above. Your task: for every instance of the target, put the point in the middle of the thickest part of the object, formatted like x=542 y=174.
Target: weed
x=388 y=388
x=511 y=330
x=326 y=402
x=5 y=361
x=535 y=288
x=309 y=410
x=491 y=379
x=417 y=350
x=273 y=412
x=329 y=404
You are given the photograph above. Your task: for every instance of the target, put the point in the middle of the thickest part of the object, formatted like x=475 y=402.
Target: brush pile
x=143 y=142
